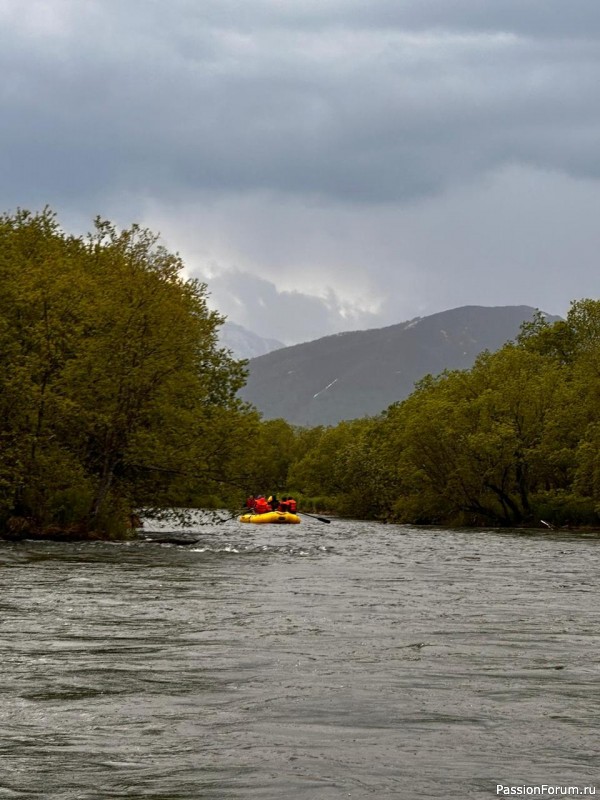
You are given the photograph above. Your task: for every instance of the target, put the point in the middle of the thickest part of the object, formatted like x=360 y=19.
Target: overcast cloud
x=324 y=165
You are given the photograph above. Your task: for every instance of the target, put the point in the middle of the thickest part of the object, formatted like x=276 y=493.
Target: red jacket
x=261 y=506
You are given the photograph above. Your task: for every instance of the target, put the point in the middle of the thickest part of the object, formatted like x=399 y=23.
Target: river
x=311 y=662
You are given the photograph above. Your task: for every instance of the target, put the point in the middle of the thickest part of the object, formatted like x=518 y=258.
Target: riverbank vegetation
x=115 y=395
x=513 y=441
x=113 y=390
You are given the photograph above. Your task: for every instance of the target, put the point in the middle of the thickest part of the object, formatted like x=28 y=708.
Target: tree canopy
x=113 y=388
x=115 y=395
x=512 y=441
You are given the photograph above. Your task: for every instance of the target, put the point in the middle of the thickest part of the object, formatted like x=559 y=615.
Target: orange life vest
x=261 y=506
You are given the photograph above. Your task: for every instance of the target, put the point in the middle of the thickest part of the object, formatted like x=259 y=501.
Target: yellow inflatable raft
x=277 y=517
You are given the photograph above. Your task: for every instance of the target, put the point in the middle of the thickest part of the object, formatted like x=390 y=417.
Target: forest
x=116 y=396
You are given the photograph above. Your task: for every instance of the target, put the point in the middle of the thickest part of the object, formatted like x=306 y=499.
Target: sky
x=323 y=165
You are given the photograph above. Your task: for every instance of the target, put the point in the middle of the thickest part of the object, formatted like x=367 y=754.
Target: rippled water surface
x=348 y=660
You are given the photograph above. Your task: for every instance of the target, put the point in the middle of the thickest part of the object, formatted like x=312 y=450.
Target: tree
x=268 y=455
x=467 y=442
x=113 y=382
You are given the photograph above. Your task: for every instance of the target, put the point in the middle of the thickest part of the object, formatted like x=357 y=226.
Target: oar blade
x=314 y=516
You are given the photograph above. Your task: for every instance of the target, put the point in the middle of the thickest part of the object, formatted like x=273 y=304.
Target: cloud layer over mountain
x=323 y=165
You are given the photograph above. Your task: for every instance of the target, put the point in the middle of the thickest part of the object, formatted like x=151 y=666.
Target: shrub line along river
x=349 y=660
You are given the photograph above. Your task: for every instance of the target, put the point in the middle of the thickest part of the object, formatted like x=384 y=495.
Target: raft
x=276 y=517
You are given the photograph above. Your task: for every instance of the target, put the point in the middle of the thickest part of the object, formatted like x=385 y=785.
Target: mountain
x=360 y=373
x=244 y=343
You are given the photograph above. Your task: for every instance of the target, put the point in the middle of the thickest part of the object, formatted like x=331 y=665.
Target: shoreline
x=133 y=533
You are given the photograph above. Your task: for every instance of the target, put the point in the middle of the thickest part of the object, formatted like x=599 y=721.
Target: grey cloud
x=521 y=236
x=332 y=100
x=391 y=158
x=542 y=18
x=290 y=316
x=539 y=18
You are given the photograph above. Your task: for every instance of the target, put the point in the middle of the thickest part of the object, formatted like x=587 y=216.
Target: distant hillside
x=360 y=373
x=244 y=343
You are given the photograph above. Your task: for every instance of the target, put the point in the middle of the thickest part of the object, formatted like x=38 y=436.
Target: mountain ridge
x=244 y=343
x=360 y=373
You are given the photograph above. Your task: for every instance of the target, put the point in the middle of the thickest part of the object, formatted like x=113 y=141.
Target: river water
x=313 y=661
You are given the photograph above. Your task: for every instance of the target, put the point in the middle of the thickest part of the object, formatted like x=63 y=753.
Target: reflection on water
x=322 y=661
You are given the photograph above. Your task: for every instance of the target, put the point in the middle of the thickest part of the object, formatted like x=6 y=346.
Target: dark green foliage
x=113 y=390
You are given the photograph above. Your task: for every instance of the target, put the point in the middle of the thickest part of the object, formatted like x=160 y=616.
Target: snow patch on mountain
x=244 y=343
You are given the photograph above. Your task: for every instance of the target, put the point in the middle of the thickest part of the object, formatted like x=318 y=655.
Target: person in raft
x=261 y=506
x=250 y=502
x=288 y=504
x=273 y=502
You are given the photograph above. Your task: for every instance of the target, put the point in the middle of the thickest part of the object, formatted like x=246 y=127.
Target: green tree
x=466 y=443
x=269 y=451
x=113 y=385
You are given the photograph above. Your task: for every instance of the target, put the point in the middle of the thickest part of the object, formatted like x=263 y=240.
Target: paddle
x=312 y=516
x=171 y=540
